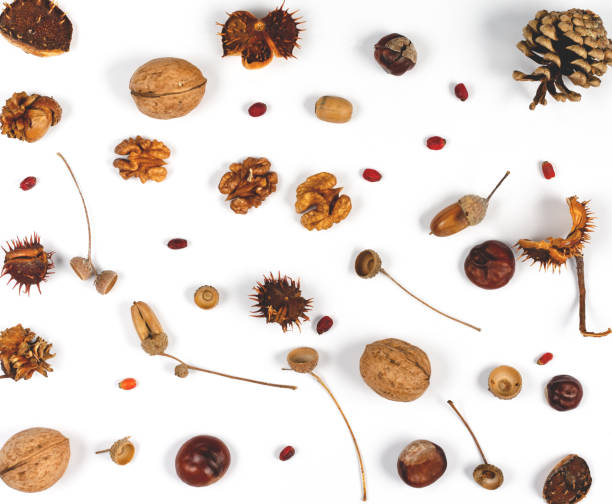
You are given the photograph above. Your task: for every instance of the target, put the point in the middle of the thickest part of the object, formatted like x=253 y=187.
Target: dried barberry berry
x=324 y=324
x=436 y=142
x=127 y=384
x=461 y=92
x=548 y=170
x=545 y=358
x=371 y=175
x=257 y=109
x=177 y=243
x=286 y=453
x=27 y=183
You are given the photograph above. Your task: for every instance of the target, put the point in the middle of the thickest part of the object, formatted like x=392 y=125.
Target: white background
x=472 y=41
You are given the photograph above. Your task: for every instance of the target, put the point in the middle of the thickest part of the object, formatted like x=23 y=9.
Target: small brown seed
x=334 y=109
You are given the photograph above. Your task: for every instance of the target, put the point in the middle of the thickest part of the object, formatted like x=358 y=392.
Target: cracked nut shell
x=395 y=53
x=165 y=88
x=34 y=459
x=568 y=482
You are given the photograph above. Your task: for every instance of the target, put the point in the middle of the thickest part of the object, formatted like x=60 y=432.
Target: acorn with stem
x=368 y=264
x=468 y=211
x=121 y=452
x=486 y=475
x=83 y=267
x=304 y=360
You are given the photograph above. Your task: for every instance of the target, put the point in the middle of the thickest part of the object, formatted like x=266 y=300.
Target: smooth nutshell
x=303 y=359
x=490 y=265
x=334 y=109
x=395 y=369
x=421 y=463
x=206 y=297
x=34 y=459
x=564 y=392
x=505 y=382
x=368 y=264
x=202 y=461
x=166 y=88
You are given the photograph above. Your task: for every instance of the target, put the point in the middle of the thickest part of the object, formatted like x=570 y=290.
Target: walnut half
x=248 y=184
x=145 y=159
x=322 y=202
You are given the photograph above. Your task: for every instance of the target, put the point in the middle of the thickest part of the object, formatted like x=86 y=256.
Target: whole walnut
x=34 y=459
x=165 y=88
x=395 y=369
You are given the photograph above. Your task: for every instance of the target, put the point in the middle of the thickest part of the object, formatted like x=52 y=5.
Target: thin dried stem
x=194 y=368
x=84 y=208
x=497 y=186
x=452 y=405
x=4 y=376
x=426 y=304
x=363 y=481
x=582 y=289
x=102 y=451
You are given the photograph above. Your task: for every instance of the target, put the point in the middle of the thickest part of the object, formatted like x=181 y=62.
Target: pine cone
x=22 y=353
x=574 y=44
x=28 y=117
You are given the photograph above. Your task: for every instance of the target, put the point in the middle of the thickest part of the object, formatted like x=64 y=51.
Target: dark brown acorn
x=27 y=263
x=280 y=300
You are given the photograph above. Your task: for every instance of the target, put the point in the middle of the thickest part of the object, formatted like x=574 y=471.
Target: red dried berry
x=286 y=453
x=461 y=92
x=127 y=384
x=371 y=175
x=436 y=142
x=545 y=358
x=27 y=183
x=177 y=243
x=547 y=170
x=257 y=109
x=324 y=324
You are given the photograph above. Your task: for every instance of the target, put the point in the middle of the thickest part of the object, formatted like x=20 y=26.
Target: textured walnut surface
x=145 y=159
x=321 y=201
x=248 y=184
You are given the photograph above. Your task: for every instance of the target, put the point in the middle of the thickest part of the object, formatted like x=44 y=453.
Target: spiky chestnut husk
x=280 y=300
x=27 y=263
x=258 y=40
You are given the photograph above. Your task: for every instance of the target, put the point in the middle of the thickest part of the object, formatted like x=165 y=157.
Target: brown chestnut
x=421 y=463
x=490 y=265
x=395 y=54
x=202 y=461
x=564 y=392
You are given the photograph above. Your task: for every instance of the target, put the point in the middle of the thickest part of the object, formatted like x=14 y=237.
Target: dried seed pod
x=334 y=109
x=368 y=264
x=568 y=482
x=206 y=297
x=29 y=117
x=303 y=359
x=505 y=382
x=468 y=211
x=395 y=370
x=395 y=53
x=34 y=459
x=27 y=263
x=22 y=354
x=121 y=452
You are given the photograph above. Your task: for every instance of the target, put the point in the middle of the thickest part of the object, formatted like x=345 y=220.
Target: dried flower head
x=280 y=300
x=259 y=40
x=22 y=353
x=554 y=252
x=29 y=117
x=27 y=263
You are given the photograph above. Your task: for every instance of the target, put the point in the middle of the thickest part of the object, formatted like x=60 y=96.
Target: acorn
x=468 y=211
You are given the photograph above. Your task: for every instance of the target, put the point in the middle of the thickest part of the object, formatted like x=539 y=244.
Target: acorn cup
x=368 y=264
x=304 y=360
x=121 y=452
x=468 y=211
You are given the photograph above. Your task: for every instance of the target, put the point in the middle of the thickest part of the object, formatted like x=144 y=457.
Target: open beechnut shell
x=396 y=370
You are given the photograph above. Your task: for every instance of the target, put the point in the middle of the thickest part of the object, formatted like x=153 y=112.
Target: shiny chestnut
x=202 y=461
x=421 y=463
x=564 y=392
x=490 y=265
x=395 y=54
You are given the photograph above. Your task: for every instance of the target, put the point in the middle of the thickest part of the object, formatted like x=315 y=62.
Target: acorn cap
x=206 y=297
x=474 y=208
x=368 y=263
x=105 y=281
x=303 y=359
x=155 y=344
x=82 y=267
x=488 y=476
x=505 y=382
x=122 y=452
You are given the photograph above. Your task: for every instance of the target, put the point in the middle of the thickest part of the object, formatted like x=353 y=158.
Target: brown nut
x=505 y=382
x=490 y=265
x=421 y=463
x=568 y=482
x=34 y=459
x=396 y=370
x=564 y=392
x=334 y=109
x=165 y=88
x=206 y=297
x=395 y=54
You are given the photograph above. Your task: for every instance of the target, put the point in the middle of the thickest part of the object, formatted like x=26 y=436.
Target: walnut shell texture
x=395 y=369
x=165 y=88
x=34 y=459
x=568 y=482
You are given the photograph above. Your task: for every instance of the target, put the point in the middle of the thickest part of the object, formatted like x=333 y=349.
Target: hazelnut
x=421 y=463
x=334 y=109
x=490 y=265
x=395 y=54
x=564 y=392
x=165 y=88
x=505 y=382
x=396 y=370
x=34 y=459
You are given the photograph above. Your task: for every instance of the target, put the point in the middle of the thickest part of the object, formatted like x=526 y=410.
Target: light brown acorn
x=468 y=211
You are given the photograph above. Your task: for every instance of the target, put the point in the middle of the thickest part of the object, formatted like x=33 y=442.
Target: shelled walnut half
x=322 y=202
x=145 y=159
x=248 y=184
